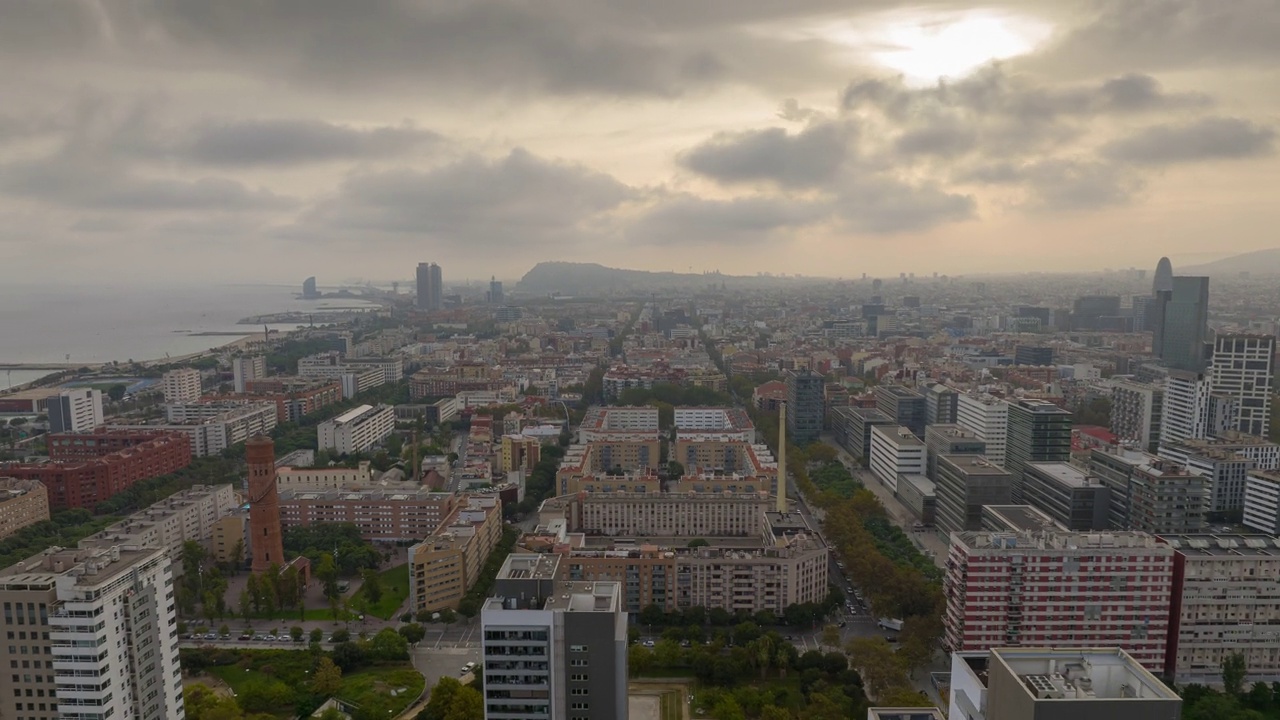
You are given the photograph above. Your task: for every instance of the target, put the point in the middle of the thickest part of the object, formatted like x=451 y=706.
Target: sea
x=86 y=324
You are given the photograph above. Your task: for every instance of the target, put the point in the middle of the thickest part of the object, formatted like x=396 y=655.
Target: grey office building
x=1067 y=494
x=553 y=649
x=1039 y=431
x=964 y=484
x=804 y=405
x=1089 y=310
x=852 y=427
x=904 y=405
x=941 y=404
x=430 y=287
x=1032 y=355
x=1069 y=684
x=1115 y=469
x=949 y=439
x=1180 y=324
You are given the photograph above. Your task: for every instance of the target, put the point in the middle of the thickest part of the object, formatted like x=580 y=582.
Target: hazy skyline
x=271 y=141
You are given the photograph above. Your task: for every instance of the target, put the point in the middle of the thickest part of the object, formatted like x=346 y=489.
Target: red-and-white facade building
x=1060 y=590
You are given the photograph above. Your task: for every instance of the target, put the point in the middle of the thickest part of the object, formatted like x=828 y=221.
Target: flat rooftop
x=1209 y=545
x=90 y=566
x=598 y=596
x=1081 y=674
x=1022 y=517
x=1064 y=473
x=352 y=414
x=888 y=713
x=532 y=566
x=975 y=464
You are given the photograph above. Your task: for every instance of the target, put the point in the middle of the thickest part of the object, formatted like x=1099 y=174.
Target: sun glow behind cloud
x=925 y=46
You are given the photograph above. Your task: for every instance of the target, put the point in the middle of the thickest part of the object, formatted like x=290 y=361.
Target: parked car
x=246 y=636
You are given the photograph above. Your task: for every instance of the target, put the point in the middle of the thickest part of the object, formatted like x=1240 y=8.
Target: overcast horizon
x=249 y=142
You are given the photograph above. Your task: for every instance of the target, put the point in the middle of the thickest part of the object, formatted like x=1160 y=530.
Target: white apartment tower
x=244 y=369
x=896 y=451
x=987 y=418
x=181 y=385
x=1192 y=409
x=1242 y=369
x=75 y=411
x=94 y=635
x=357 y=430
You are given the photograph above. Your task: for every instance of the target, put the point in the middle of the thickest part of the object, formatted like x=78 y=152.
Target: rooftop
x=1082 y=674
x=530 y=566
x=974 y=464
x=1239 y=545
x=1064 y=473
x=1055 y=540
x=1021 y=518
x=598 y=596
x=89 y=566
x=888 y=713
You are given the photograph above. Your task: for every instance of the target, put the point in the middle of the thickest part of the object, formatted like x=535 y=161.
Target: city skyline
x=799 y=137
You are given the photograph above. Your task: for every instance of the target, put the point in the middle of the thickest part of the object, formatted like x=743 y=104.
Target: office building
x=1228 y=602
x=895 y=451
x=1242 y=369
x=1137 y=412
x=1114 y=467
x=1262 y=501
x=1163 y=277
x=1192 y=409
x=75 y=411
x=919 y=495
x=211 y=428
x=94 y=636
x=181 y=385
x=941 y=404
x=430 y=287
x=1100 y=683
x=904 y=405
x=1182 y=324
x=392 y=514
x=266 y=537
x=1032 y=355
x=1059 y=589
x=804 y=405
x=1226 y=462
x=86 y=469
x=247 y=368
x=949 y=439
x=1089 y=311
x=987 y=418
x=852 y=428
x=166 y=524
x=964 y=484
x=553 y=649
x=1067 y=494
x=1166 y=499
x=447 y=563
x=496 y=296
x=1039 y=432
x=22 y=503
x=357 y=430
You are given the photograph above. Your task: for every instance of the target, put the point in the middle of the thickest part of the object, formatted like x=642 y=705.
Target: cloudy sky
x=274 y=139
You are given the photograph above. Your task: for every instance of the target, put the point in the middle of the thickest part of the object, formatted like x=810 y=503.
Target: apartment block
x=247 y=368
x=805 y=408
x=718 y=421
x=987 y=418
x=447 y=563
x=1192 y=409
x=229 y=543
x=1166 y=499
x=628 y=515
x=1243 y=368
x=553 y=649
x=357 y=430
x=1067 y=494
x=941 y=405
x=1226 y=601
x=1137 y=412
x=22 y=503
x=211 y=428
x=1115 y=468
x=189 y=514
x=964 y=484
x=181 y=385
x=388 y=515
x=896 y=451
x=83 y=483
x=949 y=439
x=295 y=397
x=619 y=452
x=78 y=410
x=1226 y=461
x=1039 y=432
x=103 y=621
x=520 y=452
x=906 y=406
x=1060 y=590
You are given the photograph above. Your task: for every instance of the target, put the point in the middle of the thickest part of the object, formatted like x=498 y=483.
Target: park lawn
x=395 y=589
x=371 y=688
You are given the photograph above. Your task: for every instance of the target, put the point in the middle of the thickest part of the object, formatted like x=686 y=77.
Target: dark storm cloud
x=1213 y=138
x=1062 y=184
x=476 y=202
x=810 y=157
x=283 y=142
x=688 y=219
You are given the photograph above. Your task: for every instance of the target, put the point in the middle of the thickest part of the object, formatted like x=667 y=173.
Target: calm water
x=92 y=325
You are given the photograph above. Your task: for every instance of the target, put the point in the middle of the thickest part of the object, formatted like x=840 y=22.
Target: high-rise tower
x=1181 y=323
x=430 y=287
x=782 y=457
x=266 y=538
x=1164 y=277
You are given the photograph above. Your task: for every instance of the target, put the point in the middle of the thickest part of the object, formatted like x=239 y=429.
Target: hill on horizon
x=1258 y=262
x=573 y=278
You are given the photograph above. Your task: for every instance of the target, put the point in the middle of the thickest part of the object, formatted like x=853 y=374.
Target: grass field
x=395 y=589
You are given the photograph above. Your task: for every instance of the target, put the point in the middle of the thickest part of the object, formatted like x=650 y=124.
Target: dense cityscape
x=801 y=497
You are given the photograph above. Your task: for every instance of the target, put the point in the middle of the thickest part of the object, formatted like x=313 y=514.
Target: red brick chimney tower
x=265 y=536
